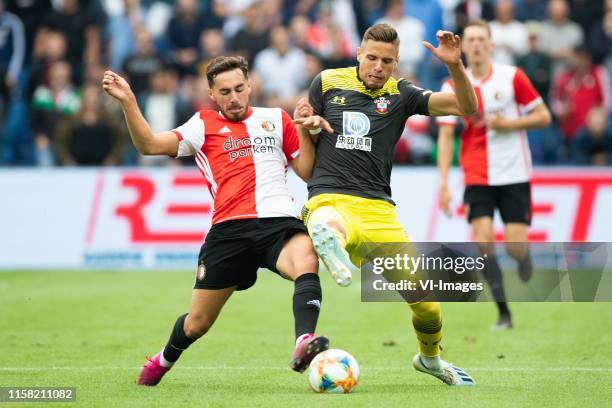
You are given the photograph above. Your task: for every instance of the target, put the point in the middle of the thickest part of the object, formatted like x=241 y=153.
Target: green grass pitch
x=92 y=330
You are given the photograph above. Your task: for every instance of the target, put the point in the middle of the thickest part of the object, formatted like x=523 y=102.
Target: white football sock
x=163 y=362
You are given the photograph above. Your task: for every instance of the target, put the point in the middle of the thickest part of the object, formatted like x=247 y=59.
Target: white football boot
x=332 y=255
x=446 y=372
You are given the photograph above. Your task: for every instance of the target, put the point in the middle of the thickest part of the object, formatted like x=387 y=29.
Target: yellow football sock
x=427 y=322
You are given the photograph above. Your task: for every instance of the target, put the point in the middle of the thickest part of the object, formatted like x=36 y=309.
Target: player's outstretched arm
x=538 y=117
x=163 y=143
x=463 y=102
x=304 y=163
x=446 y=136
x=307 y=126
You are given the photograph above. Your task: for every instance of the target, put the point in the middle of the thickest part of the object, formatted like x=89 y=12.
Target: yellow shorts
x=365 y=220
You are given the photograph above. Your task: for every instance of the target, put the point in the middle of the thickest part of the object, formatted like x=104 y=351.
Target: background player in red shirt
x=243 y=152
x=494 y=155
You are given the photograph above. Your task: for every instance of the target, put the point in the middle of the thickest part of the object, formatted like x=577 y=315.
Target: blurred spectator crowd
x=54 y=52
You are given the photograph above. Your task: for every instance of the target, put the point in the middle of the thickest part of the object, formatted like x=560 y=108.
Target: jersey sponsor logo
x=225 y=129
x=268 y=126
x=382 y=104
x=339 y=100
x=355 y=124
x=238 y=148
x=355 y=127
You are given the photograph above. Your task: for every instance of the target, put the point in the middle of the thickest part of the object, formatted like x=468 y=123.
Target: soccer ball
x=334 y=371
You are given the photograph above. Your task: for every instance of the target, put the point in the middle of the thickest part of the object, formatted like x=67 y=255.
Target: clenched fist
x=116 y=86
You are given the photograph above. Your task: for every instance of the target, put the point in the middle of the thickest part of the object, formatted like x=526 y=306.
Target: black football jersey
x=356 y=158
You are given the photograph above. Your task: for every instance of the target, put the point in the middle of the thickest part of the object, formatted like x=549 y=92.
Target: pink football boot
x=153 y=371
x=308 y=348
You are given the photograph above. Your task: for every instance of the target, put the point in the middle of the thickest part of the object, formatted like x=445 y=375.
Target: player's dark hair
x=222 y=64
x=477 y=23
x=381 y=33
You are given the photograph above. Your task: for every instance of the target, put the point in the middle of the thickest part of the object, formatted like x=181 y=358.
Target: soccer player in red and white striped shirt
x=494 y=155
x=243 y=152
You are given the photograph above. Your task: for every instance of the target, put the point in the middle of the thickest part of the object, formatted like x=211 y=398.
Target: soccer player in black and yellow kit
x=349 y=193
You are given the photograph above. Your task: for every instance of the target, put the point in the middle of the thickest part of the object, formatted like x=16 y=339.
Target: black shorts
x=512 y=200
x=234 y=250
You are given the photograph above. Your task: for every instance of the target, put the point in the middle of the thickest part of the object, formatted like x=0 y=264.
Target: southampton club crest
x=382 y=104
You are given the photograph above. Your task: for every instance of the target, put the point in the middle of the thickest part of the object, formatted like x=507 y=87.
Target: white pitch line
x=260 y=368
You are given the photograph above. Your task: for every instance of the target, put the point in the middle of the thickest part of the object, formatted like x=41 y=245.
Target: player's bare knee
x=308 y=264
x=514 y=234
x=301 y=265
x=483 y=237
x=482 y=228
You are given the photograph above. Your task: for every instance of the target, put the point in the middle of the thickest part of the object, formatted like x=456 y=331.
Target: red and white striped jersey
x=490 y=157
x=245 y=163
